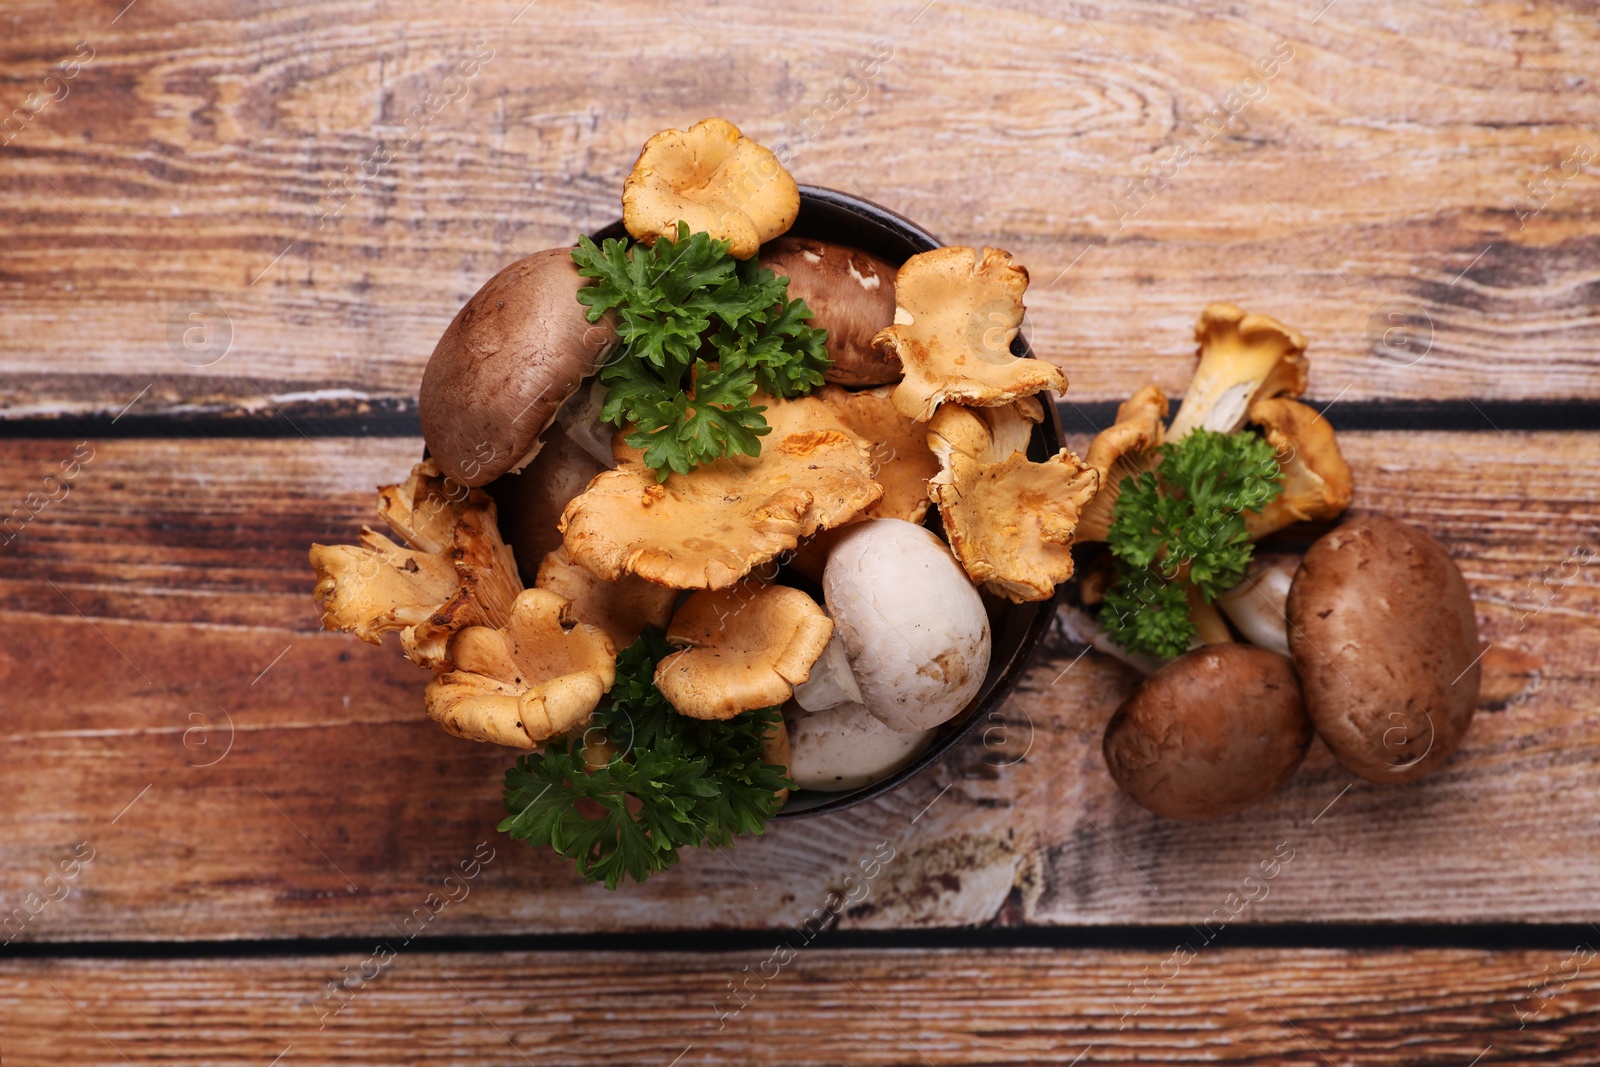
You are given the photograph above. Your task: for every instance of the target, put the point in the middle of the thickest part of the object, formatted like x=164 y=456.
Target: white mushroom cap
x=915 y=635
x=844 y=748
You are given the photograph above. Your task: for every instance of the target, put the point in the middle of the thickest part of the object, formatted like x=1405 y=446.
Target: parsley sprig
x=701 y=332
x=1183 y=522
x=672 y=782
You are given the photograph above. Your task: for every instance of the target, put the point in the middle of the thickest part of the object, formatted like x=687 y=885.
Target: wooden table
x=231 y=239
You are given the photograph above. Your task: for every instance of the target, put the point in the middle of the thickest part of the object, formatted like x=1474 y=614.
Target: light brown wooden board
x=168 y=596
x=1387 y=160
x=825 y=1007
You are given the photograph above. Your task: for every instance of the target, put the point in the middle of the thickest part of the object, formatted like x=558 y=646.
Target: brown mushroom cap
x=1209 y=734
x=509 y=359
x=531 y=501
x=850 y=294
x=1386 y=642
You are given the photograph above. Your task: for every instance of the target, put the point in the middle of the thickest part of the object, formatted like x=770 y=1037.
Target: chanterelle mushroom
x=1317 y=484
x=708 y=528
x=539 y=675
x=742 y=648
x=901 y=460
x=988 y=435
x=1121 y=451
x=622 y=608
x=956 y=313
x=1010 y=521
x=455 y=570
x=1243 y=358
x=714 y=178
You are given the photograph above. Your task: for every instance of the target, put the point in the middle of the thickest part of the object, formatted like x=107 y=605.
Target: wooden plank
x=1384 y=167
x=825 y=1007
x=166 y=597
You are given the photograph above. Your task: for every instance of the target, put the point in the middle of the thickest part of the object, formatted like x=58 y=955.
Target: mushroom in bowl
x=689 y=422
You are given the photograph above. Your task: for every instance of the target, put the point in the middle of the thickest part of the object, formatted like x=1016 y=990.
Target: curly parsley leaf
x=1184 y=522
x=674 y=782
x=700 y=333
x=1144 y=612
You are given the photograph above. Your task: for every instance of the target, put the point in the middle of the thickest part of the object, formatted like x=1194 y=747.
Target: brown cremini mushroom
x=850 y=294
x=579 y=419
x=708 y=528
x=1317 y=484
x=454 y=571
x=1385 y=640
x=956 y=313
x=531 y=501
x=714 y=178
x=622 y=608
x=741 y=649
x=539 y=675
x=1210 y=733
x=507 y=362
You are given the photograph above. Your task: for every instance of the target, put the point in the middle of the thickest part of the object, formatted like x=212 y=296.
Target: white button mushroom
x=844 y=747
x=911 y=628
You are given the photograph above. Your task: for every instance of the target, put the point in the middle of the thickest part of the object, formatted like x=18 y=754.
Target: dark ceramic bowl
x=829 y=215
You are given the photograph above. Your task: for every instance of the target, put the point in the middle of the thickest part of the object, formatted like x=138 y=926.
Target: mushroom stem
x=1243 y=358
x=1209 y=624
x=831 y=683
x=580 y=419
x=1081 y=627
x=1257 y=607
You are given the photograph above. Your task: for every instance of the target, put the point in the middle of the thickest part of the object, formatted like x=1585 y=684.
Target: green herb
x=700 y=331
x=673 y=782
x=1183 y=522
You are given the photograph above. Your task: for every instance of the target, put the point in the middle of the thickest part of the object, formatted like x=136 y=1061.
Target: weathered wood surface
x=167 y=597
x=825 y=1007
x=1387 y=159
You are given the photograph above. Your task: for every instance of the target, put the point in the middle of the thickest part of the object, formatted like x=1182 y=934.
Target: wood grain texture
x=826 y=1007
x=1388 y=159
x=161 y=635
